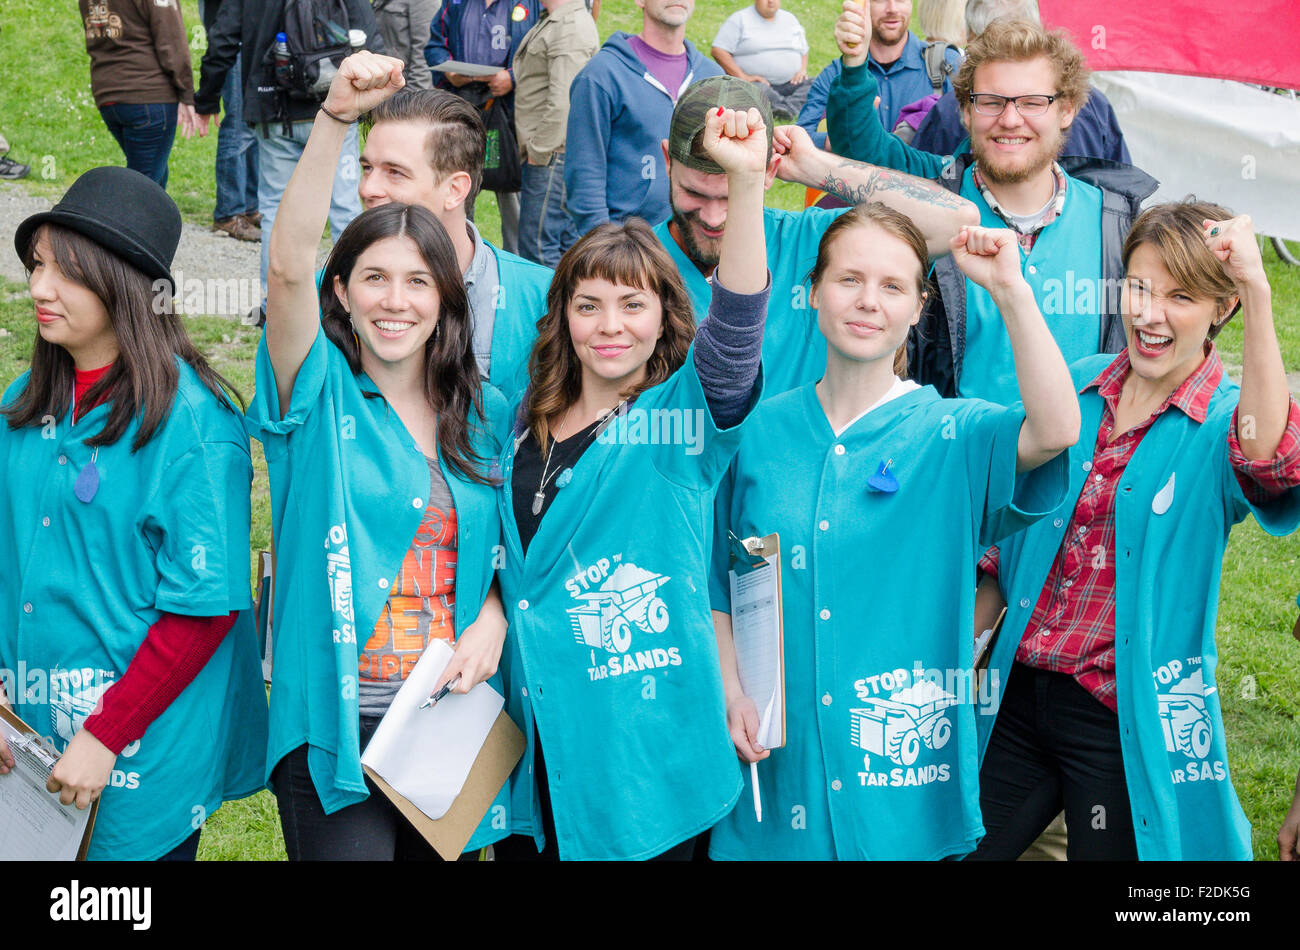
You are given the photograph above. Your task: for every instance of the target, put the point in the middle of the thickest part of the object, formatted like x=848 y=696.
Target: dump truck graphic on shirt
x=900 y=725
x=1185 y=719
x=620 y=620
x=626 y=600
x=1182 y=703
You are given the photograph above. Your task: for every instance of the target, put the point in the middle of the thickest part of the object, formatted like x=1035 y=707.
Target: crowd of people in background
x=886 y=380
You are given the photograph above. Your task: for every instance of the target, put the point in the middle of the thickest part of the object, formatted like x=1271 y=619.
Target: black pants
x=1054 y=745
x=373 y=830
x=523 y=848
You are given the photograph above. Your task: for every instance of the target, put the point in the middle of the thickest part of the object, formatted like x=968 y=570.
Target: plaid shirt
x=1072 y=628
x=1048 y=215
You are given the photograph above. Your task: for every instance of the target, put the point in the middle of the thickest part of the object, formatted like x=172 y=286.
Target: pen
x=440 y=693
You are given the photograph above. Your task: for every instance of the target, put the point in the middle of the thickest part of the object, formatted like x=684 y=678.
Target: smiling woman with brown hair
x=607 y=488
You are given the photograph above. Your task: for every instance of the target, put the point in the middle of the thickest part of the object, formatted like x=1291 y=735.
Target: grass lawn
x=48 y=115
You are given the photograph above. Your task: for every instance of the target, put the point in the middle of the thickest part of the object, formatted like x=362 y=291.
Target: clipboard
x=984 y=643
x=448 y=835
x=751 y=560
x=16 y=723
x=473 y=70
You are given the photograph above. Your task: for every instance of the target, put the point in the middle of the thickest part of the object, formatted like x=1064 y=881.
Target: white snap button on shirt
x=417 y=502
x=383 y=583
x=826 y=699
x=825 y=614
x=839 y=450
x=523 y=605
x=825 y=525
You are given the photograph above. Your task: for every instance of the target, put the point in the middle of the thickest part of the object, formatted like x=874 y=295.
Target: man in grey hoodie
x=620 y=106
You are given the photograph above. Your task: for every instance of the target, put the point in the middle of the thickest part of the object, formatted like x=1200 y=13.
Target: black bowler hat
x=121 y=210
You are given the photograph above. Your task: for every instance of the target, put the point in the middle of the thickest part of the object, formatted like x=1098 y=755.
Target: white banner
x=1218 y=140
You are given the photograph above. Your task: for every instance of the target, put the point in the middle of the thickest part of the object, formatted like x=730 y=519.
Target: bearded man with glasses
x=1020 y=89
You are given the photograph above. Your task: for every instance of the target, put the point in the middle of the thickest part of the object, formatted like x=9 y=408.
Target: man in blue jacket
x=620 y=106
x=487 y=33
x=897 y=60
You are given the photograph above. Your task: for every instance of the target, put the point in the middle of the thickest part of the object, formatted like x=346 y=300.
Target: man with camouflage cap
x=794 y=352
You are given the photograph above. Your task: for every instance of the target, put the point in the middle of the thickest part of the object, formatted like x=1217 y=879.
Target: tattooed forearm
x=857 y=183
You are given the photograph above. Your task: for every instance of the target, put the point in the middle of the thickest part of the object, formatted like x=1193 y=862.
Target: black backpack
x=316 y=32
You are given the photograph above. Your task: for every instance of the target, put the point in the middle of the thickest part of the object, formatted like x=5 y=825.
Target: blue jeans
x=277 y=156
x=145 y=132
x=236 y=153
x=545 y=229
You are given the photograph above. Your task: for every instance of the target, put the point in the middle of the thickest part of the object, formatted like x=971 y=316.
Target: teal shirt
x=1169 y=557
x=794 y=350
x=878 y=598
x=348 y=489
x=520 y=302
x=82 y=583
x=1064 y=269
x=611 y=657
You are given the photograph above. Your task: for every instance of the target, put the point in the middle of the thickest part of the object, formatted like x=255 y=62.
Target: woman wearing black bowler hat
x=124 y=533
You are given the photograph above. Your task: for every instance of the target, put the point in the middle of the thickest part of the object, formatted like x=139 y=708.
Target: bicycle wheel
x=1288 y=251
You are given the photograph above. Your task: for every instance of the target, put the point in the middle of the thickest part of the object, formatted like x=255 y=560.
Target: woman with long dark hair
x=618 y=446
x=125 y=525
x=882 y=494
x=378 y=438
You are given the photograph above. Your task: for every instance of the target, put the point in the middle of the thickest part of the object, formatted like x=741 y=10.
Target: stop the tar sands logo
x=637 y=426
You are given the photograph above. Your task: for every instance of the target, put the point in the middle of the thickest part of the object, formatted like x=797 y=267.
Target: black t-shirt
x=527 y=475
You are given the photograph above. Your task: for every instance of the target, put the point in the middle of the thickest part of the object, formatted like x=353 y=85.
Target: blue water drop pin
x=564 y=478
x=882 y=480
x=87 y=483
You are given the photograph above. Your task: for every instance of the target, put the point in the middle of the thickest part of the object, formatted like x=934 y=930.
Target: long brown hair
x=892 y=222
x=629 y=254
x=451 y=378
x=143 y=379
x=1174 y=230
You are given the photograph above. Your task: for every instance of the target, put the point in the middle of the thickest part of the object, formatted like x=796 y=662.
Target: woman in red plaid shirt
x=1106 y=658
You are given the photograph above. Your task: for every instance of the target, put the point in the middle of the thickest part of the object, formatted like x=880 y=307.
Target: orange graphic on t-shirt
x=422 y=602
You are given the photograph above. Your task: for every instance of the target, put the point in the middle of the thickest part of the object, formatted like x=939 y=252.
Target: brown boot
x=238 y=227
x=253 y=217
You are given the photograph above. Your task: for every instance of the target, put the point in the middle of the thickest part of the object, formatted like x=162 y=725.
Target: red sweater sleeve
x=171 y=656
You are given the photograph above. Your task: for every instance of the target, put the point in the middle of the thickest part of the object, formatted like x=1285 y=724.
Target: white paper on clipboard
x=756 y=631
x=426 y=754
x=34 y=826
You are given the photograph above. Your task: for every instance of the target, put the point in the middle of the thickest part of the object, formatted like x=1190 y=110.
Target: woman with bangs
x=618 y=446
x=1107 y=656
x=124 y=530
x=378 y=438
x=883 y=495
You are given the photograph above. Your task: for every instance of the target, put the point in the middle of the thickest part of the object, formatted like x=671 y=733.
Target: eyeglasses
x=986 y=103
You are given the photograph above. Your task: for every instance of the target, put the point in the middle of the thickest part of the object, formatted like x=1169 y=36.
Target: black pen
x=440 y=693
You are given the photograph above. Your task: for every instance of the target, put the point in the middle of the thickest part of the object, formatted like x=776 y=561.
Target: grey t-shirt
x=421 y=603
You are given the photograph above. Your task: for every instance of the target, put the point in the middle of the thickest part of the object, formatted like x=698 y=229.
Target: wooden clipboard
x=448 y=835
x=982 y=661
x=13 y=719
x=758 y=550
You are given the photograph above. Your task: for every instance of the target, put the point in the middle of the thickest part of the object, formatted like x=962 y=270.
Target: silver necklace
x=539 y=499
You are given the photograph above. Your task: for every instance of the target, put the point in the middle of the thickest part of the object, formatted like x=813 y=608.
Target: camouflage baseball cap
x=696 y=103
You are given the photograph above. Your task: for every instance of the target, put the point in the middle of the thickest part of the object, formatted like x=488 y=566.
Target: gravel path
x=204 y=258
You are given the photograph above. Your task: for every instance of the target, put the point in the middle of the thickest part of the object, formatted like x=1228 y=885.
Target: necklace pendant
x=538 y=500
